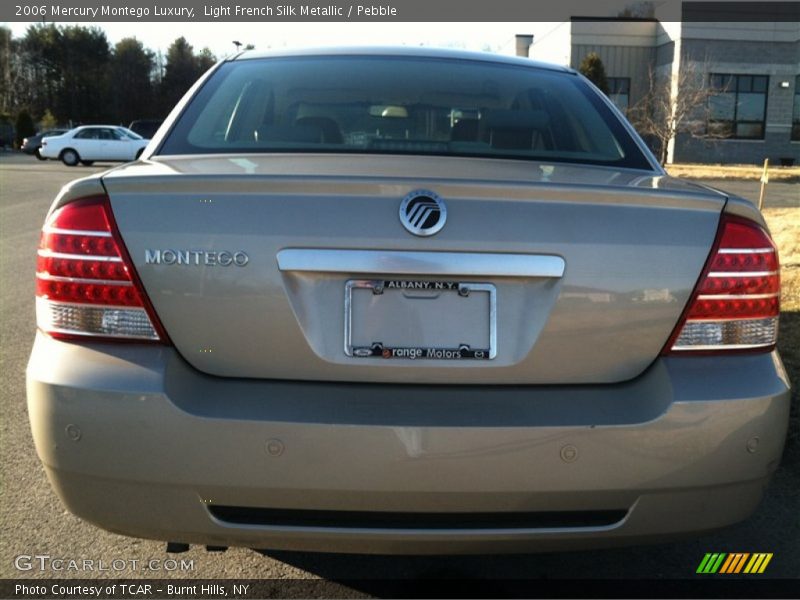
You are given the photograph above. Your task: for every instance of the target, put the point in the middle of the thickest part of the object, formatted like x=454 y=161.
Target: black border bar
x=100 y=11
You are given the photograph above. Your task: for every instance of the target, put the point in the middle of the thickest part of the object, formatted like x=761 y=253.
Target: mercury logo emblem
x=423 y=213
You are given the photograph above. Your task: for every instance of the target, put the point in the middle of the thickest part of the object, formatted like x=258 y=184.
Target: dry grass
x=752 y=172
x=784 y=224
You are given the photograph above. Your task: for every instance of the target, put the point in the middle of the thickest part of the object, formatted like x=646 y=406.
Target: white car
x=89 y=143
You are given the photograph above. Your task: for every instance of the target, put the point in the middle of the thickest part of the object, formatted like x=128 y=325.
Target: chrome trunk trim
x=392 y=262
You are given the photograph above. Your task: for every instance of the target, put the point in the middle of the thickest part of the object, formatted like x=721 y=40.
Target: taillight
x=736 y=303
x=85 y=281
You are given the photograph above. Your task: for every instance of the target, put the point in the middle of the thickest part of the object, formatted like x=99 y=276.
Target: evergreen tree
x=131 y=88
x=205 y=60
x=592 y=68
x=179 y=74
x=24 y=126
x=84 y=59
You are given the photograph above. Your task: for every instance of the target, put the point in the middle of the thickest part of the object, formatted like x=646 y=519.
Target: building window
x=737 y=107
x=796 y=111
x=619 y=92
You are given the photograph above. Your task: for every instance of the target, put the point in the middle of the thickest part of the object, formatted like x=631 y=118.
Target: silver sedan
x=404 y=301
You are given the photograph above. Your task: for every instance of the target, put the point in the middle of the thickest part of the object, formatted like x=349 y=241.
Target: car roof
x=414 y=52
x=103 y=126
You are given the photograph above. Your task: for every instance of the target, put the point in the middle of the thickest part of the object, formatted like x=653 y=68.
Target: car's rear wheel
x=139 y=153
x=38 y=154
x=70 y=157
x=87 y=163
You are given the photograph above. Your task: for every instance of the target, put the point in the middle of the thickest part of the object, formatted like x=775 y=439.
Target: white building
x=753 y=66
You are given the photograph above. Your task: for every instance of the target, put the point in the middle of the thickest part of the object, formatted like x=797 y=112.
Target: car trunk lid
x=576 y=274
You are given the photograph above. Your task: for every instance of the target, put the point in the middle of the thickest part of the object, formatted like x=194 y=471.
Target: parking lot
x=34 y=522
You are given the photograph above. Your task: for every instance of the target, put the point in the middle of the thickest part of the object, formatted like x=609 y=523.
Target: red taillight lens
x=85 y=281
x=736 y=303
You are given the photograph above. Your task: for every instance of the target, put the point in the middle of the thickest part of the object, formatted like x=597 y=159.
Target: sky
x=219 y=37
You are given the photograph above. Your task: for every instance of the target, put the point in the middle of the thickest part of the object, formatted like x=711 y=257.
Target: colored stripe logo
x=734 y=563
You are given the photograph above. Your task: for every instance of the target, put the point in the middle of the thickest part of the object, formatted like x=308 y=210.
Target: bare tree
x=676 y=102
x=638 y=10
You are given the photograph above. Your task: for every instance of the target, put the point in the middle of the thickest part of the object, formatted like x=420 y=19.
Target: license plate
x=415 y=319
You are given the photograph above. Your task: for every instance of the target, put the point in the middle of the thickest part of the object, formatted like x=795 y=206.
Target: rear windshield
x=401 y=105
x=128 y=133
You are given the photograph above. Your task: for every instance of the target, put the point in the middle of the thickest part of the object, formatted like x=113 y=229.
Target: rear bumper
x=137 y=442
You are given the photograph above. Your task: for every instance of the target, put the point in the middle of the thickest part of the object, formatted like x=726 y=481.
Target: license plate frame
x=458 y=351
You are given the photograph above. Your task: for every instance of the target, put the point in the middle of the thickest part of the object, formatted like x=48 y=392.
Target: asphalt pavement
x=33 y=521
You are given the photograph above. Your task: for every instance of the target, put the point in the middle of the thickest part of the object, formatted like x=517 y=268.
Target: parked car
x=89 y=143
x=404 y=301
x=31 y=145
x=146 y=127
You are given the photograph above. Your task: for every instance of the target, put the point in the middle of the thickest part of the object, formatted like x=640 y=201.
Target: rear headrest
x=289 y=133
x=516 y=119
x=331 y=133
x=465 y=130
